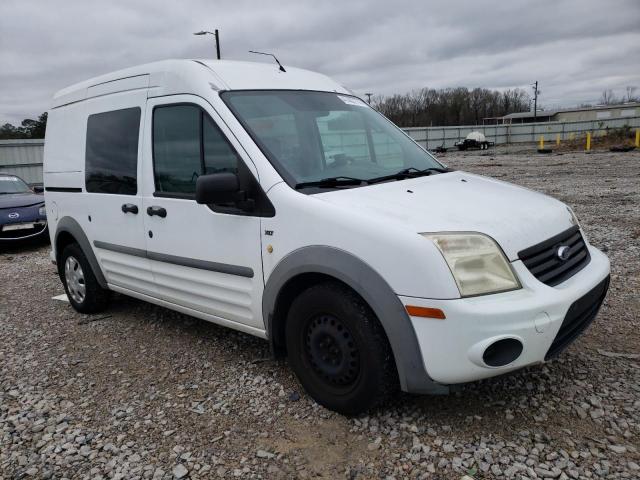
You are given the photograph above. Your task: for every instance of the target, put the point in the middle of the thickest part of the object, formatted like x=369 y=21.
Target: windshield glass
x=311 y=136
x=10 y=184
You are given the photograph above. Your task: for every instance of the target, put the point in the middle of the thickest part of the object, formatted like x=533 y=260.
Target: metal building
x=584 y=114
x=23 y=158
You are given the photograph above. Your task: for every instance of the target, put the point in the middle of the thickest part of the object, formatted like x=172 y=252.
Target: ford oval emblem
x=14 y=215
x=563 y=252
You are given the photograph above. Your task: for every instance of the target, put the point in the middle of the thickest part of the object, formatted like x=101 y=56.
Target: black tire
x=339 y=351
x=95 y=298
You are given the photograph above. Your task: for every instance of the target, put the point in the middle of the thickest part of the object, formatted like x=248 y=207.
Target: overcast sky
x=575 y=49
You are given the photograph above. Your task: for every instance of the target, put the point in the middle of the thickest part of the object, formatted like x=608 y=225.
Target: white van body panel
x=65 y=145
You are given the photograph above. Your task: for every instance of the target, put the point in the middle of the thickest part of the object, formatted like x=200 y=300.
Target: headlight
x=476 y=262
x=42 y=211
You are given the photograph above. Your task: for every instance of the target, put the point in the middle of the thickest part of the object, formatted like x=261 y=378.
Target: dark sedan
x=22 y=212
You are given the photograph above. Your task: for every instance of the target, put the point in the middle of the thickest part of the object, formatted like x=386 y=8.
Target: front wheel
x=83 y=290
x=338 y=349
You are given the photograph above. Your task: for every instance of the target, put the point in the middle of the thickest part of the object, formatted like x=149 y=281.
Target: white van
x=279 y=204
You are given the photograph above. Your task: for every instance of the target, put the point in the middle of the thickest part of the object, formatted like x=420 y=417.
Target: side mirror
x=217 y=188
x=38 y=189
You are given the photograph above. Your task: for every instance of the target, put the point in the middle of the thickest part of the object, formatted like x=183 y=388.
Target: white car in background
x=279 y=204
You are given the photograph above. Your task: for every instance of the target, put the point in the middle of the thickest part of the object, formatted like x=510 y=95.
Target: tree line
x=28 y=128
x=450 y=106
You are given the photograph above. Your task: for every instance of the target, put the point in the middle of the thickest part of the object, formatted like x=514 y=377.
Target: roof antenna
x=272 y=55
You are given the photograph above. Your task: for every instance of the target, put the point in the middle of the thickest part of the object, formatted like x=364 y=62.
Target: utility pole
x=535 y=101
x=217 y=37
x=369 y=97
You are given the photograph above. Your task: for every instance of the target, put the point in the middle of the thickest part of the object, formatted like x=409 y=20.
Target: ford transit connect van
x=279 y=204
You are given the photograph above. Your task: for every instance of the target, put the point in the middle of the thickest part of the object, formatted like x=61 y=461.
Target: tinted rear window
x=112 y=152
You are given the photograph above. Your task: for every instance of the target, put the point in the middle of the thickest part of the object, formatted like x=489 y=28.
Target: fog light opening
x=502 y=352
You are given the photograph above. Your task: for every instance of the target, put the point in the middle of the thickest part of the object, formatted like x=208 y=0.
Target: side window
x=111 y=156
x=187 y=144
x=219 y=156
x=176 y=148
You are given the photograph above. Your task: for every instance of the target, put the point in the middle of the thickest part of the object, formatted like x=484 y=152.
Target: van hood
x=515 y=217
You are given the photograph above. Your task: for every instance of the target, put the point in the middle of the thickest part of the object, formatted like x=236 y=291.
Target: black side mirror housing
x=38 y=189
x=217 y=188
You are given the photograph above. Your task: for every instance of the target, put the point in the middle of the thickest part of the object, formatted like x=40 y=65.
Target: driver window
x=187 y=144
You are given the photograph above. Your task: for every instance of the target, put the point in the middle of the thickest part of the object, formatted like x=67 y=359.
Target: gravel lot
x=143 y=392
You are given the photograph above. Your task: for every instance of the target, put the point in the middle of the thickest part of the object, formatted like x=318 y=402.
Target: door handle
x=159 y=211
x=130 y=208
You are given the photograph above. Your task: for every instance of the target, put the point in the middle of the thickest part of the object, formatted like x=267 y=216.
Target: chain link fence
x=433 y=137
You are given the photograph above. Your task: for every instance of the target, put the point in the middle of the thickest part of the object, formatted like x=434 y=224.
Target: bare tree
x=607 y=97
x=450 y=106
x=631 y=90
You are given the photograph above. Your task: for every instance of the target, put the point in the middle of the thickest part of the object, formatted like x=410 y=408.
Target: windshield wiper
x=410 y=172
x=332 y=182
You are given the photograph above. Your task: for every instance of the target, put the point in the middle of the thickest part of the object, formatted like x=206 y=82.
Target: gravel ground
x=144 y=392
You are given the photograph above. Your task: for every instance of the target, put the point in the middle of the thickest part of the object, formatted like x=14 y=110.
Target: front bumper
x=23 y=230
x=452 y=349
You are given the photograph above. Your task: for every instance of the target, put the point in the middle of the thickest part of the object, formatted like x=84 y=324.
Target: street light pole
x=217 y=43
x=216 y=36
x=369 y=97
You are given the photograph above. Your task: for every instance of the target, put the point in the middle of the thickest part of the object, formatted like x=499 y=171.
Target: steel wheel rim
x=74 y=277
x=331 y=350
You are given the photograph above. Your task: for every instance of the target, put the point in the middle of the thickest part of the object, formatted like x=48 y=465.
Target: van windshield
x=314 y=136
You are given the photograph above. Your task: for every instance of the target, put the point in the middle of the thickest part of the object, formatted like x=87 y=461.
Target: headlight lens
x=42 y=211
x=476 y=262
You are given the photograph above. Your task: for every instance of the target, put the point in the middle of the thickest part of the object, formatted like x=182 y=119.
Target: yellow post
x=541 y=142
x=637 y=137
x=588 y=141
x=558 y=139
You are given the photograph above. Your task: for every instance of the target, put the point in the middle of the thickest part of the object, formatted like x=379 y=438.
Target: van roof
x=170 y=77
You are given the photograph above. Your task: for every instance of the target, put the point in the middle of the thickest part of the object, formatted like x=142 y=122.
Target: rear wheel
x=338 y=349
x=83 y=290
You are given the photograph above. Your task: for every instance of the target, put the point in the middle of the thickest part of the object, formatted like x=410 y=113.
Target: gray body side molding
x=374 y=290
x=69 y=225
